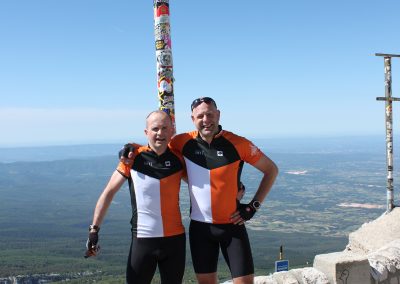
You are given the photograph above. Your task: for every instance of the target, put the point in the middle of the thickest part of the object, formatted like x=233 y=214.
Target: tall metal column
x=165 y=78
x=389 y=127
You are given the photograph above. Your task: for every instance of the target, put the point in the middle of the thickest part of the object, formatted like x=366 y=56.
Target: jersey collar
x=149 y=150
x=217 y=135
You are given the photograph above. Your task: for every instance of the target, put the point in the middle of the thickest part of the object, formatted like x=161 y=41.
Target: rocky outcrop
x=374 y=235
x=372 y=256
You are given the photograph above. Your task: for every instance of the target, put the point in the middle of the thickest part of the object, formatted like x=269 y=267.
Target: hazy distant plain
x=47 y=202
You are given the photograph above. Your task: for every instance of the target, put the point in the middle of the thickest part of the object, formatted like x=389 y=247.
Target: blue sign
x=281 y=265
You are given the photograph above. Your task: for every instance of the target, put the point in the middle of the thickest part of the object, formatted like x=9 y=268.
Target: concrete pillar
x=344 y=267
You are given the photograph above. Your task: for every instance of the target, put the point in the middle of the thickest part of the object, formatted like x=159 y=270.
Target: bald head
x=159 y=131
x=162 y=115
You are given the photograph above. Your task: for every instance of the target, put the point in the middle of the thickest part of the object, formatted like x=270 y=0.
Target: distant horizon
x=143 y=140
x=373 y=144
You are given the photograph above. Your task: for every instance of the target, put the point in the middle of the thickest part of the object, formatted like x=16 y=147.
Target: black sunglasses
x=206 y=100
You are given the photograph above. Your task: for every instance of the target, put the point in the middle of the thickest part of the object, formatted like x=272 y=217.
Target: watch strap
x=255 y=204
x=94 y=227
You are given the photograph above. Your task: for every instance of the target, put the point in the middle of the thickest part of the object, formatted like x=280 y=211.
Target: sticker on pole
x=281 y=265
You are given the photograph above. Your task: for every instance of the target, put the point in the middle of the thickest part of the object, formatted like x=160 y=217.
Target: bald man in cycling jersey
x=158 y=236
x=214 y=159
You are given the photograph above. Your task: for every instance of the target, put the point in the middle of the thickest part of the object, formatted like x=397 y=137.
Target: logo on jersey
x=220 y=153
x=167 y=163
x=147 y=163
x=199 y=152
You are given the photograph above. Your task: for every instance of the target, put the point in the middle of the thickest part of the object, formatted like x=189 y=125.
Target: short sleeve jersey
x=154 y=188
x=214 y=171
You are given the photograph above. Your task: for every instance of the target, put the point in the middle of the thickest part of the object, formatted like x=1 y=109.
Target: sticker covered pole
x=165 y=78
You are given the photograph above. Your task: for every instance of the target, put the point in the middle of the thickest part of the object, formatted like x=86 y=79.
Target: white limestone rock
x=372 y=236
x=310 y=275
x=393 y=254
x=285 y=277
x=265 y=280
x=378 y=265
x=385 y=261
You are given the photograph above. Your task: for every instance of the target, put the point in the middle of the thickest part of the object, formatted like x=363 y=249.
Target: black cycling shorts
x=146 y=253
x=205 y=241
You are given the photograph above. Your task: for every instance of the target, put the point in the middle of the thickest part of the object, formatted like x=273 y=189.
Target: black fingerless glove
x=246 y=211
x=124 y=152
x=91 y=244
x=92 y=240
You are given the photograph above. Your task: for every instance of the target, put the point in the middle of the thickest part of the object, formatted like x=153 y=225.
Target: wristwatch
x=256 y=204
x=94 y=227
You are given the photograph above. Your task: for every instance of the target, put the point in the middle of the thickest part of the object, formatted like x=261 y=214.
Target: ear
x=192 y=117
x=145 y=132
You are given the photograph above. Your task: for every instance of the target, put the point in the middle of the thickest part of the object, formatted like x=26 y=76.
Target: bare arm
x=270 y=170
x=104 y=201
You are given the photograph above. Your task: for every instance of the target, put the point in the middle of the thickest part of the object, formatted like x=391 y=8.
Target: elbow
x=274 y=170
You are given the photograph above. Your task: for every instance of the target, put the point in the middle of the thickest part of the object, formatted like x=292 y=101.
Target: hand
x=244 y=213
x=126 y=153
x=92 y=247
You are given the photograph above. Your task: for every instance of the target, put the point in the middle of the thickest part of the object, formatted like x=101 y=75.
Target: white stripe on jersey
x=200 y=193
x=148 y=203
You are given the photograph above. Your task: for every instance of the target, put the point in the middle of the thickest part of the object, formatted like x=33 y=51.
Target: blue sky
x=84 y=71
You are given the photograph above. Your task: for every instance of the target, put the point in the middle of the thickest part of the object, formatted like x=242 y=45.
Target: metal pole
x=389 y=127
x=389 y=133
x=165 y=78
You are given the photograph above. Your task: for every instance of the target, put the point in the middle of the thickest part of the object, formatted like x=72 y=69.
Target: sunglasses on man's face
x=206 y=100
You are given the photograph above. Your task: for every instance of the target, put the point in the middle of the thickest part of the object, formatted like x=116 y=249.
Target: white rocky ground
x=372 y=256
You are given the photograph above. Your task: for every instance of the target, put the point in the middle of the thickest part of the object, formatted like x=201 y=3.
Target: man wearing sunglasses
x=214 y=159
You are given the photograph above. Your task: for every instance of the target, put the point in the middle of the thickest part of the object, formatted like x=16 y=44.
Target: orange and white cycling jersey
x=214 y=171
x=154 y=187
